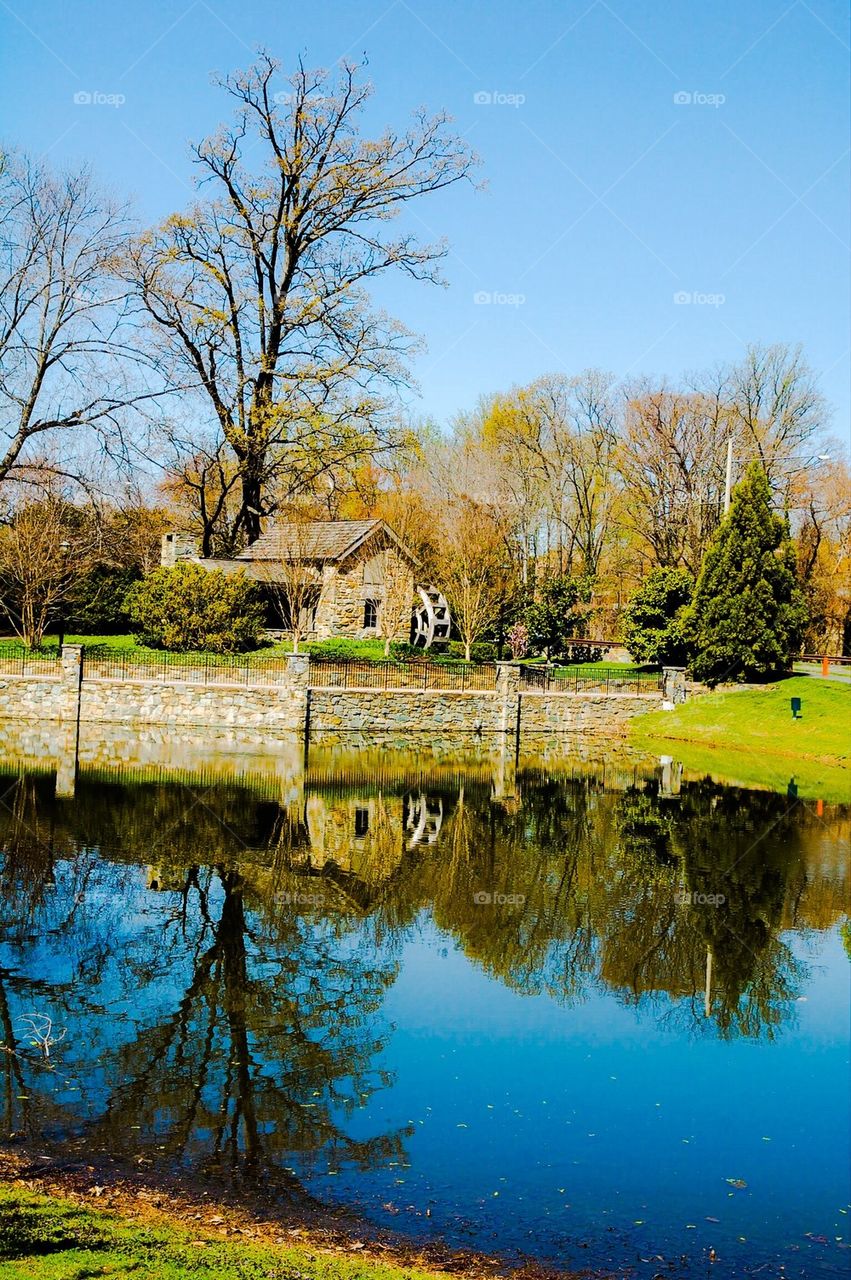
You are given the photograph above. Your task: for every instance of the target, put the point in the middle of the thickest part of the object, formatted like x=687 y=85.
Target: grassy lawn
x=372 y=650
x=45 y=1238
x=750 y=736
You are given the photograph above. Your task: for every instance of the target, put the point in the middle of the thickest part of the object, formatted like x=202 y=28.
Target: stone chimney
x=176 y=548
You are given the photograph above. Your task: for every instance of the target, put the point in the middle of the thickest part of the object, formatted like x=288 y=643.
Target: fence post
x=825 y=666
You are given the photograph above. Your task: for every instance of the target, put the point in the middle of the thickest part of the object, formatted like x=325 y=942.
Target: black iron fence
x=603 y=680
x=462 y=677
x=249 y=670
x=17 y=660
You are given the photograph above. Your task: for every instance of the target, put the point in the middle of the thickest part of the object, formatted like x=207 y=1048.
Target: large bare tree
x=258 y=292
x=70 y=368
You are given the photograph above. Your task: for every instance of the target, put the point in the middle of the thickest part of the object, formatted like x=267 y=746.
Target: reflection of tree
x=699 y=903
x=252 y=1027
x=266 y=1046
x=236 y=1027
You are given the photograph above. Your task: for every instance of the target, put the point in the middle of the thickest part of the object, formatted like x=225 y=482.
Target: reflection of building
x=423 y=819
x=361 y=835
x=366 y=836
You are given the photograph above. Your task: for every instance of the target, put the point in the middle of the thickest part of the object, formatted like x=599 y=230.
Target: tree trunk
x=252 y=498
x=467 y=650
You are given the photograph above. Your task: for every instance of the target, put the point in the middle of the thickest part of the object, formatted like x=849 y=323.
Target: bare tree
x=777 y=412
x=69 y=365
x=672 y=463
x=394 y=615
x=293 y=572
x=259 y=292
x=43 y=549
x=472 y=567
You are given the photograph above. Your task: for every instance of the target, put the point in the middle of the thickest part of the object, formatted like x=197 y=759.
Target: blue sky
x=606 y=197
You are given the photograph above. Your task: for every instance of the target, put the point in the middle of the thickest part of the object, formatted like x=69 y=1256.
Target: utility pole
x=728 y=488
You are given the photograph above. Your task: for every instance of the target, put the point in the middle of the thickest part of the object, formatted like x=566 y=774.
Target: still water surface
x=598 y=1015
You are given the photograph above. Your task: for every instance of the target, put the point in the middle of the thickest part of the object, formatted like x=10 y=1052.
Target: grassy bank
x=50 y=1238
x=750 y=736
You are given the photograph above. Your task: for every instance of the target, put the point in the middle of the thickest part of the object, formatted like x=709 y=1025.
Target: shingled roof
x=329 y=541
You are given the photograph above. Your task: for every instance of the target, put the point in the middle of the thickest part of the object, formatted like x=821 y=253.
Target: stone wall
x=70 y=697
x=422 y=711
x=596 y=713
x=340 y=608
x=152 y=702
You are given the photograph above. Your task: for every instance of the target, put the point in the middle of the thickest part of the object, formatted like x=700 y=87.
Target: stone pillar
x=71 y=673
x=298 y=680
x=508 y=687
x=674 y=685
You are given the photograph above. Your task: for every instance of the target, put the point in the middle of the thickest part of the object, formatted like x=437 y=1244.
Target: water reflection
x=219 y=951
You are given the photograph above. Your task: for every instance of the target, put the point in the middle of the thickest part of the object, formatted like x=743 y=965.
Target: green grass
x=45 y=1238
x=343 y=647
x=749 y=736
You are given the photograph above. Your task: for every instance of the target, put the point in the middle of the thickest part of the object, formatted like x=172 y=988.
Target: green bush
x=480 y=651
x=191 y=608
x=97 y=601
x=560 y=609
x=653 y=618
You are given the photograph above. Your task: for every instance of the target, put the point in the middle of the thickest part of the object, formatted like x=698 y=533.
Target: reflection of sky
x=535 y=1123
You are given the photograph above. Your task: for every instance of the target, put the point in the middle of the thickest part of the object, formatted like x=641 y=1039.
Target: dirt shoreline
x=138 y=1196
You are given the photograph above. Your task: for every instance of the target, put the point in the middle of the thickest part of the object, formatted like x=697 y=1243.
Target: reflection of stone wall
x=441 y=711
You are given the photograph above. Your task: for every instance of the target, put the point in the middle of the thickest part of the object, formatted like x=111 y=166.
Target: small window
x=361 y=822
x=370 y=615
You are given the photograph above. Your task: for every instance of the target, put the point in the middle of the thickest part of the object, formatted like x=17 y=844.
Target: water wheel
x=431 y=619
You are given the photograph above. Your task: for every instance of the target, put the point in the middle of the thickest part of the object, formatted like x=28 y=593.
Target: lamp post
x=728 y=486
x=64 y=548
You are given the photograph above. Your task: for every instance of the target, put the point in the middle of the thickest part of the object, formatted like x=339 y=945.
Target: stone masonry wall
x=294 y=706
x=340 y=610
x=427 y=711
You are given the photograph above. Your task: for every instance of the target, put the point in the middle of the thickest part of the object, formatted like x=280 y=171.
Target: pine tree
x=747 y=617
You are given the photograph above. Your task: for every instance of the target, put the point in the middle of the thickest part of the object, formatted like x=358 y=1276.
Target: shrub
x=578 y=653
x=653 y=618
x=560 y=609
x=518 y=640
x=97 y=601
x=480 y=651
x=192 y=608
x=748 y=614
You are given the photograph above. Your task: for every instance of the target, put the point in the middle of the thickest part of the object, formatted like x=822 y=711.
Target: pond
x=592 y=1011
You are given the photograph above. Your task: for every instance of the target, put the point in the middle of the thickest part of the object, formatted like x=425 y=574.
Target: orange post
x=825 y=666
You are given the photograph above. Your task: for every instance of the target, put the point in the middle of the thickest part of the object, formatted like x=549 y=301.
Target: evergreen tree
x=653 y=618
x=747 y=617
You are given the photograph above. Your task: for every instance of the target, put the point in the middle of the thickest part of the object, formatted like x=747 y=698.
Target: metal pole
x=728 y=487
